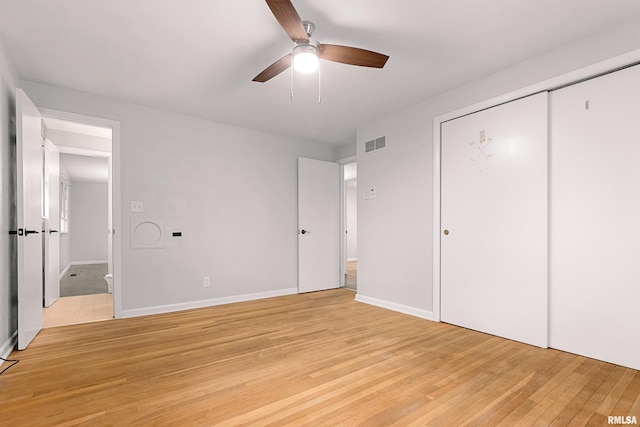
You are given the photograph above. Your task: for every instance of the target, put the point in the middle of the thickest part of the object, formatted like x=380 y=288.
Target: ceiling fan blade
x=352 y=56
x=289 y=19
x=274 y=69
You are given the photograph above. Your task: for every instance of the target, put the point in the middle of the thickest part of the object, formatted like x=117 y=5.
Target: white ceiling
x=198 y=57
x=85 y=168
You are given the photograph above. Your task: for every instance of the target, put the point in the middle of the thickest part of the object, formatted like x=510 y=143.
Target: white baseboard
x=205 y=303
x=64 y=271
x=80 y=263
x=8 y=346
x=423 y=314
x=102 y=261
x=352 y=259
x=49 y=302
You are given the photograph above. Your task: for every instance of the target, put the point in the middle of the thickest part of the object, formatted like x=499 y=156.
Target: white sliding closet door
x=595 y=218
x=494 y=241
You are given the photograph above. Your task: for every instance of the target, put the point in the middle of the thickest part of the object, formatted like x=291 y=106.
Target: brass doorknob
x=446 y=232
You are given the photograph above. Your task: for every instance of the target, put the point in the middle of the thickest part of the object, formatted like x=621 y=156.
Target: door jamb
x=343 y=213
x=116 y=193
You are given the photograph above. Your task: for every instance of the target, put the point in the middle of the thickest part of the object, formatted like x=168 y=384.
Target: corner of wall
x=344 y=151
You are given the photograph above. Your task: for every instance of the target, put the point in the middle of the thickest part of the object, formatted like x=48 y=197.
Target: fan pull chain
x=291 y=79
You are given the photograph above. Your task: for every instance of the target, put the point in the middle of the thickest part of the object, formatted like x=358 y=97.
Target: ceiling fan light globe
x=305 y=59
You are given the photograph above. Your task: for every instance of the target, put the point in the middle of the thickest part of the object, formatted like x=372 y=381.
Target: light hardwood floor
x=78 y=309
x=318 y=359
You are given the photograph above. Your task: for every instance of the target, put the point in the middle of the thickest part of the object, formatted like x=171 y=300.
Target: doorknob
x=27 y=232
x=446 y=232
x=305 y=232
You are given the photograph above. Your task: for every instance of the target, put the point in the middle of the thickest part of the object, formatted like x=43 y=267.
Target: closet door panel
x=595 y=218
x=494 y=245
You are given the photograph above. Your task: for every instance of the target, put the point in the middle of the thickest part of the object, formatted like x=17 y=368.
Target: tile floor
x=84 y=280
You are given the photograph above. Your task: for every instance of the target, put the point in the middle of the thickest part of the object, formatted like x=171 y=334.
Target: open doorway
x=351 y=225
x=78 y=257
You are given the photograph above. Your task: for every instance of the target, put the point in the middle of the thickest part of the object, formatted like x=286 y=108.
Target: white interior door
x=494 y=221
x=595 y=212
x=52 y=228
x=318 y=225
x=29 y=194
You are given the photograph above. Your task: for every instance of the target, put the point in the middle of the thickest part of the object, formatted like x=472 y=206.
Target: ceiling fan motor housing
x=308 y=27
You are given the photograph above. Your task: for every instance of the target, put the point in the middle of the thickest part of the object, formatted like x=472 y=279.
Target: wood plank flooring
x=318 y=359
x=78 y=309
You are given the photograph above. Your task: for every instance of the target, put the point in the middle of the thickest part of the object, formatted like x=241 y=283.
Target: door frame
x=343 y=215
x=116 y=226
x=591 y=71
x=319 y=168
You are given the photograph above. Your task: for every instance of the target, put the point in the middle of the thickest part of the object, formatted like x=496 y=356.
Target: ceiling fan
x=307 y=50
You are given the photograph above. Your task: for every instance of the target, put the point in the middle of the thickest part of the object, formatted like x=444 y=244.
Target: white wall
x=232 y=192
x=352 y=218
x=8 y=284
x=395 y=229
x=88 y=222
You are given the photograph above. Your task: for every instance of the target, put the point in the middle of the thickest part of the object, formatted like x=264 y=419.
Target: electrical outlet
x=206 y=281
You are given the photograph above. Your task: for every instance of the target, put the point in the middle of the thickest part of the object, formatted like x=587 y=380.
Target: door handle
x=305 y=232
x=53 y=231
x=27 y=232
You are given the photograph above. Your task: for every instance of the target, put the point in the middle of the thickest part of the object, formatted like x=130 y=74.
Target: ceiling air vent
x=375 y=144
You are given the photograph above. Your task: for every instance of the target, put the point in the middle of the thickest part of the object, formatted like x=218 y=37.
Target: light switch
x=137 y=207
x=369 y=193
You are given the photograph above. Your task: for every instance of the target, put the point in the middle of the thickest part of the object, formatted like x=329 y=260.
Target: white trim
x=83 y=151
x=206 y=303
x=50 y=301
x=8 y=346
x=342 y=238
x=436 y=220
x=343 y=217
x=103 y=261
x=412 y=311
x=546 y=85
x=116 y=222
x=348 y=160
x=65 y=271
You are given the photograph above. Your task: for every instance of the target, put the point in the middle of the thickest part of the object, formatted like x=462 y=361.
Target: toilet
x=109 y=279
